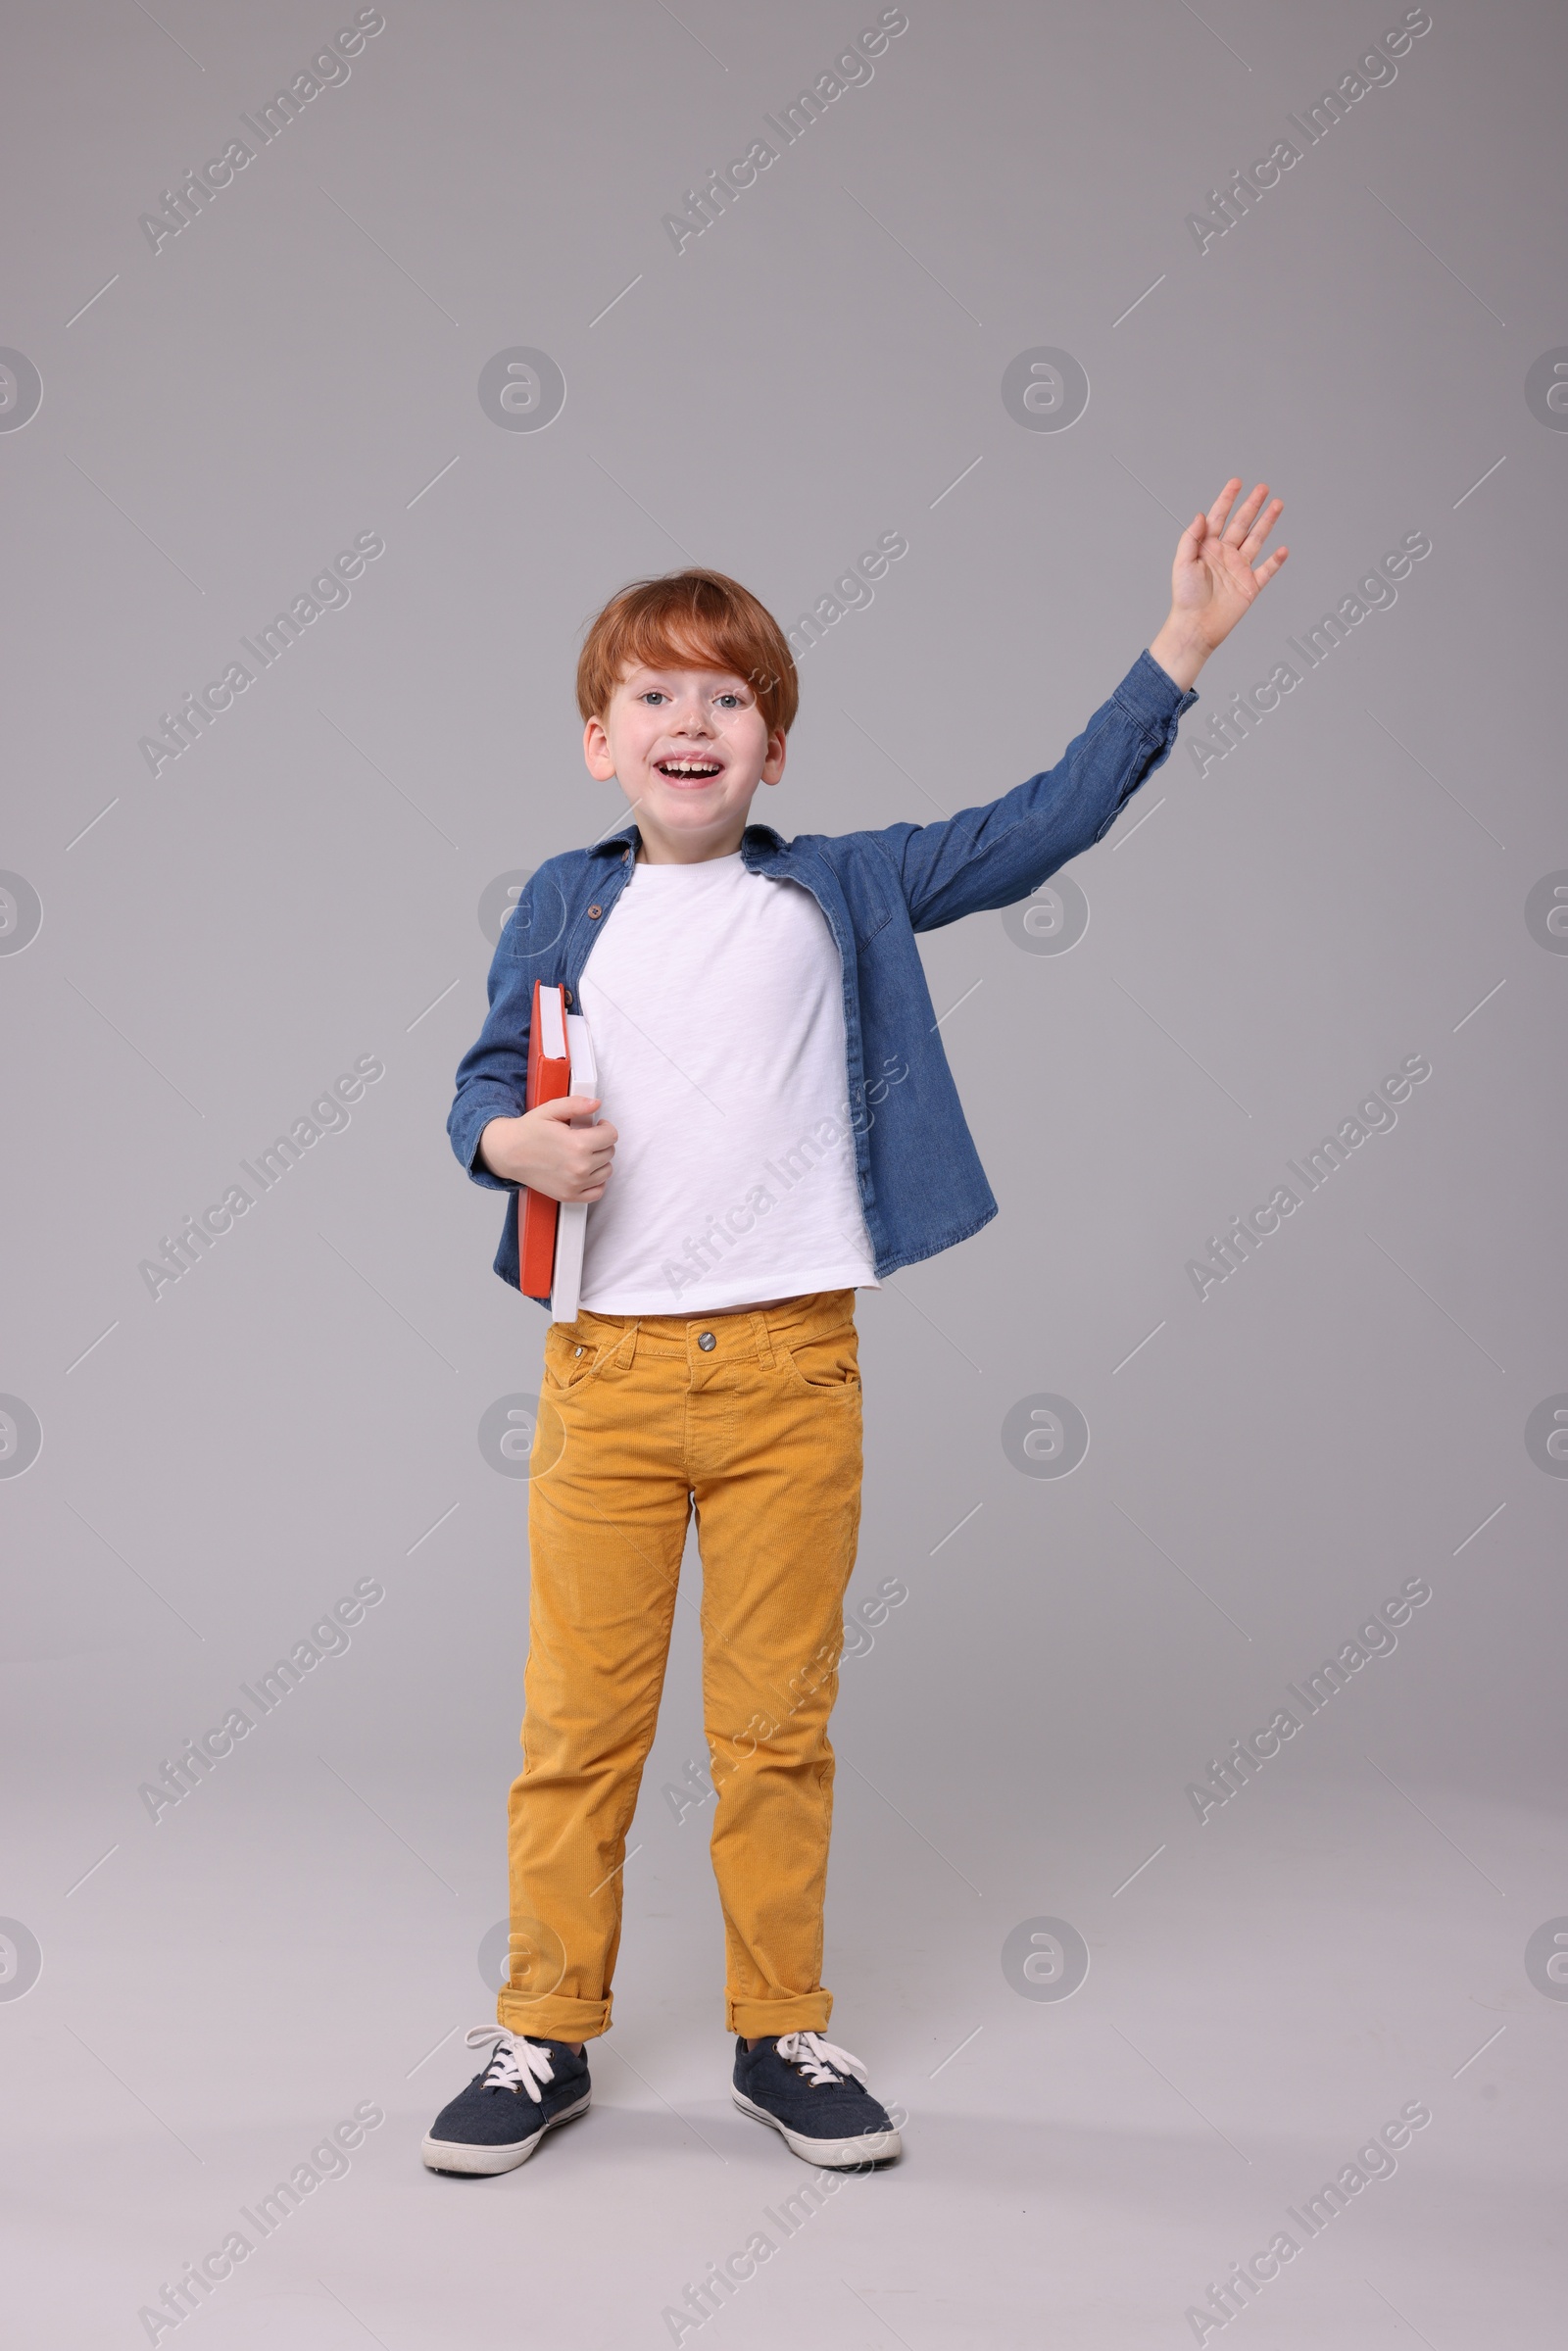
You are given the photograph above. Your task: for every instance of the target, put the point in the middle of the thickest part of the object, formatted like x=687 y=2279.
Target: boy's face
x=688 y=748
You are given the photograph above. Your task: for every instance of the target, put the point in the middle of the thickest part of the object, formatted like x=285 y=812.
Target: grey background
x=300 y=364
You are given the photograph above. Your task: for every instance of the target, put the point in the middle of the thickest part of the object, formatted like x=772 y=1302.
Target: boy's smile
x=689 y=748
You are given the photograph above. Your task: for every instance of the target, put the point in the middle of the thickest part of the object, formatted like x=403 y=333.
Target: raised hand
x=1216 y=575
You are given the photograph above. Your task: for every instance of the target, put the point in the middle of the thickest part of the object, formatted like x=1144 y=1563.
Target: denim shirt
x=923 y=1186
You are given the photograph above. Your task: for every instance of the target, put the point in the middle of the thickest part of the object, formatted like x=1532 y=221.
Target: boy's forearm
x=482 y=1153
x=1179 y=652
x=517 y=1151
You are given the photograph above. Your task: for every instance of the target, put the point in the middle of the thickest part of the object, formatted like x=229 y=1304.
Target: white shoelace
x=818 y=2060
x=517 y=2064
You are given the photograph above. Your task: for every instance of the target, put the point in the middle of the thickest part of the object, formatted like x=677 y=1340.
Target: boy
x=785 y=1132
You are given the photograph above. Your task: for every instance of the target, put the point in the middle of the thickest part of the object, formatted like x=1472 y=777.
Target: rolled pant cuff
x=553 y=2019
x=755 y=2020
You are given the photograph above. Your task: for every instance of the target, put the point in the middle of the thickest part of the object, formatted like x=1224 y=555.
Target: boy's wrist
x=1180 y=652
x=494 y=1136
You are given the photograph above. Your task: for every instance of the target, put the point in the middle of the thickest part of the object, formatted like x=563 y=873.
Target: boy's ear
x=596 y=751
x=773 y=764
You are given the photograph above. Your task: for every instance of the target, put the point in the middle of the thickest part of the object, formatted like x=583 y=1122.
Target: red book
x=549 y=1081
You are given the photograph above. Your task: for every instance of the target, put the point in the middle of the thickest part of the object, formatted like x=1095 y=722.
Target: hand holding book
x=555 y=1149
x=544 y=1150
x=556 y=1152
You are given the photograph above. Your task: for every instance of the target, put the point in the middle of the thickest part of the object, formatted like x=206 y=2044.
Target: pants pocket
x=828 y=1365
x=569 y=1363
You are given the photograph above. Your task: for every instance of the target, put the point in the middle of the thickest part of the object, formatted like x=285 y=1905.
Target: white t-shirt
x=715 y=1000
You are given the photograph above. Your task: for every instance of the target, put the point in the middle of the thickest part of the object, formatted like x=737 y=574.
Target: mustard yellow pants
x=753 y=1419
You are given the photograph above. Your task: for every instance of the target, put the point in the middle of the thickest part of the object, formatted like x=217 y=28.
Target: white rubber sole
x=829 y=2154
x=448 y=2155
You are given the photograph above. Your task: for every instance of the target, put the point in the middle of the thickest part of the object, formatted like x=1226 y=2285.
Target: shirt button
x=594 y=913
x=706 y=1342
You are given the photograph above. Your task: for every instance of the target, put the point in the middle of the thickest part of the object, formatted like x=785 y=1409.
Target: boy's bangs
x=680 y=639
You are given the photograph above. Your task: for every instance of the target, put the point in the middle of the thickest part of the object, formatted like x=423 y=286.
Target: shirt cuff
x=468 y=1133
x=1151 y=697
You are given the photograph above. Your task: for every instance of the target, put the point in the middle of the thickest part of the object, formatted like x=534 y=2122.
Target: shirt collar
x=610 y=844
x=760 y=836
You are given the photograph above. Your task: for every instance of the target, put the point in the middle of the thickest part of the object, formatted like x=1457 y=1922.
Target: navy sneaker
x=814 y=2096
x=527 y=2087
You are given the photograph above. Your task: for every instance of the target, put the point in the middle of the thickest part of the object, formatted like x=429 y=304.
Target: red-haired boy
x=780 y=1129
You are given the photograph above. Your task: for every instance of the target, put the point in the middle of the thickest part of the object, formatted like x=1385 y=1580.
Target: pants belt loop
x=764 y=1345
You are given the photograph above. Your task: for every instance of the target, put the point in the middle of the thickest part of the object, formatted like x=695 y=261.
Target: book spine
x=548 y=1081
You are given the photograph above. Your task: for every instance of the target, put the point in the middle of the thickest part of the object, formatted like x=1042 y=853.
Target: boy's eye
x=729 y=701
x=652 y=694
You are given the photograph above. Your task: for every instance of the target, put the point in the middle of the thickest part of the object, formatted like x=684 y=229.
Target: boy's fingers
x=1222 y=504
x=1245 y=514
x=570 y=1106
x=1261 y=528
x=1189 y=546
